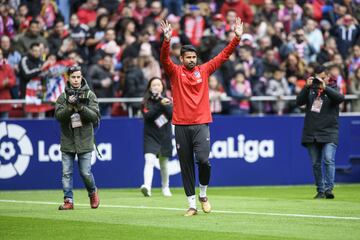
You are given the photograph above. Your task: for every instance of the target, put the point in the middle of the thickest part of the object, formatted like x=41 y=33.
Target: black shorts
x=193 y=140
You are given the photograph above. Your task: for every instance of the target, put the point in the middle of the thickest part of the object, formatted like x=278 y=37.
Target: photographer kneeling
x=77 y=110
x=320 y=134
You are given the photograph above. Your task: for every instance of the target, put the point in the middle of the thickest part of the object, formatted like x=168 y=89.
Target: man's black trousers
x=193 y=143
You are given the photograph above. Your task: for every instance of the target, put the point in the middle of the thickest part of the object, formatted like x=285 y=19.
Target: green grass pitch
x=287 y=212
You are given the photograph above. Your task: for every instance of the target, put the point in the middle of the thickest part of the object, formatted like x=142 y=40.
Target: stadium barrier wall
x=244 y=151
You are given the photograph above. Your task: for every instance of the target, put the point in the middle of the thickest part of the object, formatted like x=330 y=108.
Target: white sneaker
x=166 y=192
x=145 y=191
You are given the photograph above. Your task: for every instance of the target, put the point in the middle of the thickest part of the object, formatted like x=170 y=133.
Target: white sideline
x=181 y=209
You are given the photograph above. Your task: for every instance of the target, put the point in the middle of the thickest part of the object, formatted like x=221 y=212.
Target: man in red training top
x=191 y=112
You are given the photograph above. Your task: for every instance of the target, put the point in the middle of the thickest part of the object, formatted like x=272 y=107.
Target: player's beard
x=191 y=65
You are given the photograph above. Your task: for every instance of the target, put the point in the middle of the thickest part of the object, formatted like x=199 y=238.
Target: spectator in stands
x=23 y=18
x=157 y=13
x=336 y=74
x=157 y=112
x=141 y=11
x=193 y=24
x=32 y=35
x=147 y=63
x=354 y=60
x=327 y=51
x=227 y=70
x=87 y=12
x=241 y=8
x=31 y=87
x=49 y=12
x=267 y=13
x=77 y=111
x=132 y=51
x=174 y=6
x=77 y=42
x=346 y=32
x=290 y=15
x=57 y=37
x=355 y=89
x=101 y=78
x=252 y=67
x=126 y=35
x=270 y=62
x=321 y=98
x=263 y=44
x=97 y=33
x=7 y=82
x=175 y=53
x=313 y=35
x=294 y=65
x=218 y=28
x=216 y=95
x=240 y=93
x=278 y=87
x=277 y=34
x=178 y=35
x=134 y=84
x=7 y=23
x=13 y=58
x=298 y=44
x=109 y=46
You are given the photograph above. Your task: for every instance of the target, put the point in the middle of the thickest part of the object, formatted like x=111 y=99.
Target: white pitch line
x=181 y=209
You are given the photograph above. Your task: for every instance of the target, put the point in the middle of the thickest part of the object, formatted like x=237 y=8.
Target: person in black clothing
x=157 y=112
x=321 y=98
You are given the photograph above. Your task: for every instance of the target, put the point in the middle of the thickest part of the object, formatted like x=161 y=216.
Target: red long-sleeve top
x=6 y=73
x=190 y=88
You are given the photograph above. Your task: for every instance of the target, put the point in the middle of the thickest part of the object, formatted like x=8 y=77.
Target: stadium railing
x=259 y=99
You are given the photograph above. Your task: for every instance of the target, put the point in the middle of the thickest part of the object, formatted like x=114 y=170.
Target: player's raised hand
x=239 y=27
x=166 y=28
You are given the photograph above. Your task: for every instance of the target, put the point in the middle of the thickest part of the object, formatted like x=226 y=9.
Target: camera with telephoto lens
x=156 y=96
x=79 y=96
x=316 y=82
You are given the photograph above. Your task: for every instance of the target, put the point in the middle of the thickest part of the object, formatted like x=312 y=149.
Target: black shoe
x=329 y=194
x=319 y=195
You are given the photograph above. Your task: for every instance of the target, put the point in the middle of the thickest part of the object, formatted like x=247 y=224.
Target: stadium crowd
x=117 y=44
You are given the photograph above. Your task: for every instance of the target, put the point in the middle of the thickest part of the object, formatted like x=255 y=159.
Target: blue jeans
x=4 y=115
x=84 y=162
x=323 y=153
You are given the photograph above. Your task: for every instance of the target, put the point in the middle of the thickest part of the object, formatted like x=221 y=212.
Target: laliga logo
x=8 y=169
x=250 y=150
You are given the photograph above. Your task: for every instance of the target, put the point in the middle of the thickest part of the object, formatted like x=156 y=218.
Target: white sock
x=164 y=172
x=202 y=190
x=149 y=169
x=192 y=201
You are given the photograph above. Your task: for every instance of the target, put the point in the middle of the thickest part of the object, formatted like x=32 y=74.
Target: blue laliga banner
x=244 y=151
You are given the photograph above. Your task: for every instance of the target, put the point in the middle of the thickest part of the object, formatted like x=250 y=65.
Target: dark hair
x=319 y=69
x=34 y=21
x=247 y=48
x=35 y=44
x=147 y=94
x=187 y=48
x=73 y=69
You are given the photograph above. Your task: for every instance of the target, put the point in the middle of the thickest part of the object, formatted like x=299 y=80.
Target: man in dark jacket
x=77 y=110
x=100 y=76
x=321 y=129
